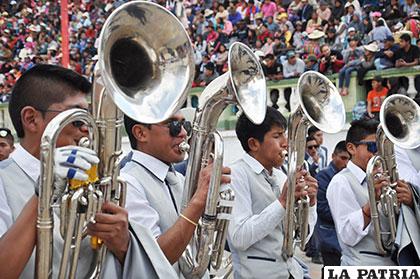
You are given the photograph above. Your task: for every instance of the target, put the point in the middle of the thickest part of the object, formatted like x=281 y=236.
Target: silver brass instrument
x=321 y=105
x=143 y=71
x=400 y=125
x=243 y=85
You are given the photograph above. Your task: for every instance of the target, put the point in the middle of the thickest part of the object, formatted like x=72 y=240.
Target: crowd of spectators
x=290 y=37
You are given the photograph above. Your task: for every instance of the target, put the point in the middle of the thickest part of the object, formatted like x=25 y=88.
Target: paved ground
x=314 y=269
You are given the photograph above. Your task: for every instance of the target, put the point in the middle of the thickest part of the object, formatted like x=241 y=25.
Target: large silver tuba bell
x=321 y=105
x=144 y=71
x=399 y=125
x=243 y=85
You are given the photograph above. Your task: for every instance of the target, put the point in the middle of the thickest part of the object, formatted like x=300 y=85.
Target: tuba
x=321 y=105
x=143 y=71
x=243 y=85
x=399 y=125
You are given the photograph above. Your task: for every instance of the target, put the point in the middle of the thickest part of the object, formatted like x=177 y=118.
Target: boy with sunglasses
x=256 y=228
x=347 y=197
x=155 y=189
x=39 y=95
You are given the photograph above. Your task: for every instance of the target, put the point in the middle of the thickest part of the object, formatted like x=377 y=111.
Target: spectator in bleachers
x=306 y=11
x=352 y=59
x=293 y=67
x=272 y=69
x=338 y=9
x=324 y=12
x=380 y=32
x=311 y=63
x=376 y=97
x=332 y=40
x=385 y=57
x=312 y=45
x=331 y=60
x=208 y=75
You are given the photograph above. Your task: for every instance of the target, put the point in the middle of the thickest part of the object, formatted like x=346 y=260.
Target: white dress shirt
x=245 y=228
x=31 y=166
x=405 y=167
x=140 y=211
x=345 y=210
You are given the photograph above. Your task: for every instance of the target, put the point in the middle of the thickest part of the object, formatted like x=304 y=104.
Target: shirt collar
x=154 y=165
x=28 y=163
x=358 y=172
x=253 y=163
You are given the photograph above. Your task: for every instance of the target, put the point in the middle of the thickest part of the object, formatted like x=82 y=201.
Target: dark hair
x=40 y=87
x=9 y=137
x=405 y=37
x=312 y=130
x=340 y=147
x=360 y=129
x=129 y=124
x=309 y=138
x=245 y=129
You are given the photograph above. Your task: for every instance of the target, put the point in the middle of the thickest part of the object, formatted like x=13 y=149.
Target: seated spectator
x=367 y=61
x=268 y=8
x=314 y=23
x=280 y=47
x=351 y=34
x=272 y=26
x=272 y=69
x=413 y=24
x=264 y=33
x=234 y=15
x=283 y=19
x=352 y=59
x=298 y=38
x=376 y=97
x=331 y=60
x=268 y=46
x=324 y=12
x=306 y=11
x=393 y=12
x=208 y=76
x=380 y=32
x=220 y=58
x=312 y=45
x=338 y=9
x=385 y=57
x=332 y=40
x=293 y=67
x=285 y=35
x=311 y=63
x=408 y=54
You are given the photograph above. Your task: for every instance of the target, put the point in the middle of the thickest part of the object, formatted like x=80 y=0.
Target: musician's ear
x=140 y=133
x=32 y=120
x=253 y=144
x=351 y=148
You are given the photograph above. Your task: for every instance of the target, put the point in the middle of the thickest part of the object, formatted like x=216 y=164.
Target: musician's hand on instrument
x=301 y=188
x=404 y=193
x=283 y=195
x=204 y=181
x=312 y=189
x=71 y=162
x=379 y=183
x=111 y=226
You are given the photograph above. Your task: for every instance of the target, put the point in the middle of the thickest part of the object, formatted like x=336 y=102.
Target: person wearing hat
x=208 y=75
x=312 y=46
x=294 y=66
x=311 y=63
x=375 y=97
x=6 y=143
x=385 y=57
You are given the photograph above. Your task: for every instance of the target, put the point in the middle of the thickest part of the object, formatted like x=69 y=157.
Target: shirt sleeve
x=346 y=212
x=246 y=228
x=140 y=211
x=406 y=169
x=6 y=219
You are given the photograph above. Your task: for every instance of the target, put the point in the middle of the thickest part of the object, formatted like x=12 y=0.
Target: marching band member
x=255 y=231
x=38 y=96
x=347 y=196
x=155 y=189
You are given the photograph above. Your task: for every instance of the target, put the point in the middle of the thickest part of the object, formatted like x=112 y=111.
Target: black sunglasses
x=371 y=146
x=313 y=146
x=76 y=123
x=175 y=127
